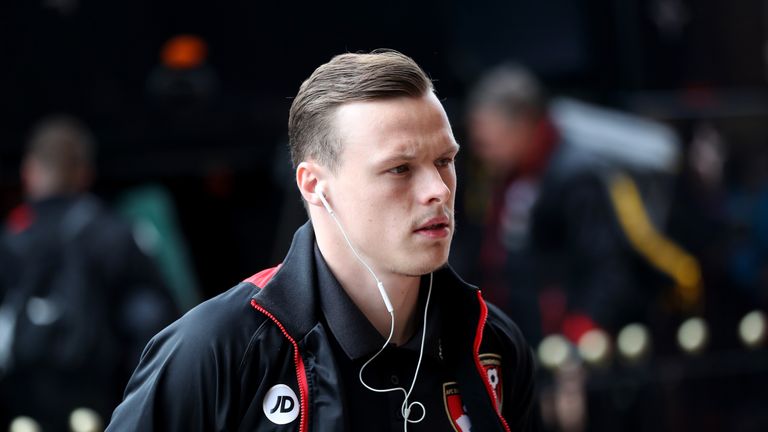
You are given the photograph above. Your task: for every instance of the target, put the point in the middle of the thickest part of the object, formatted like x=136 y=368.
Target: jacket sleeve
x=518 y=368
x=188 y=376
x=172 y=389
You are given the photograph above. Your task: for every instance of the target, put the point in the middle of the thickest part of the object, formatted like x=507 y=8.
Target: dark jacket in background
x=553 y=253
x=84 y=300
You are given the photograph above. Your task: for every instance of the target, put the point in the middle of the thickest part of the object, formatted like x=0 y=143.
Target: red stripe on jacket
x=261 y=279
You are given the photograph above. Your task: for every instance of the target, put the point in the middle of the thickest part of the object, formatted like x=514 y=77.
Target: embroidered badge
x=281 y=406
x=457 y=412
x=492 y=365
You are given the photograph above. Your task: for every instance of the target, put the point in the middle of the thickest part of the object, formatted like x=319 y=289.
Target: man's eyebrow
x=403 y=156
x=409 y=155
x=454 y=147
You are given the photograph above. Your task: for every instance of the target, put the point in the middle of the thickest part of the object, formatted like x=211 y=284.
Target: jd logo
x=281 y=406
x=284 y=403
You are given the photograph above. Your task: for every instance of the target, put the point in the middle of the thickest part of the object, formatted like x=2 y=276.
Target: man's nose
x=434 y=187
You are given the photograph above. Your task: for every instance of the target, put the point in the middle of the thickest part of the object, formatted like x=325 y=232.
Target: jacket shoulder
x=190 y=371
x=221 y=319
x=506 y=337
x=505 y=328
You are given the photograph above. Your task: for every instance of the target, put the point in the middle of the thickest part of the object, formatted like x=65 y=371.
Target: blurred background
x=613 y=180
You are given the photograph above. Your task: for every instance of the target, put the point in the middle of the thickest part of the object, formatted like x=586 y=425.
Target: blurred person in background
x=79 y=300
x=555 y=252
x=569 y=243
x=551 y=249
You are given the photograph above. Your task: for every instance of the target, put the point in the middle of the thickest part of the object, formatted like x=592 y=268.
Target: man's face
x=499 y=141
x=394 y=188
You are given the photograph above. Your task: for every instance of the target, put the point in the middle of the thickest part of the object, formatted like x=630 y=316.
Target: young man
x=363 y=326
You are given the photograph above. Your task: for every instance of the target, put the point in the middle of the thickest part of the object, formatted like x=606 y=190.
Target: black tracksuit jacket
x=212 y=369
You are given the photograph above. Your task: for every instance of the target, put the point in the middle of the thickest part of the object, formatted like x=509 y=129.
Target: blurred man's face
x=395 y=186
x=499 y=141
x=42 y=180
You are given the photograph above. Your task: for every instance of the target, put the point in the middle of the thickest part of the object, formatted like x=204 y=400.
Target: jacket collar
x=291 y=297
x=292 y=294
x=357 y=337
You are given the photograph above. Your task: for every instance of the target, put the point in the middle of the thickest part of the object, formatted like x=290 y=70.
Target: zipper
x=301 y=374
x=480 y=369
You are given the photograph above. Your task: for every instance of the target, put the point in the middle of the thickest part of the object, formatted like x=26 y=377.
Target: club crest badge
x=455 y=409
x=492 y=365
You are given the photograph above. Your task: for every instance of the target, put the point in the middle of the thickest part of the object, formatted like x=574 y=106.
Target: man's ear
x=308 y=176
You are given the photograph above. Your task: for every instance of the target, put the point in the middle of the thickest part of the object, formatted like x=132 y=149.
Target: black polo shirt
x=355 y=340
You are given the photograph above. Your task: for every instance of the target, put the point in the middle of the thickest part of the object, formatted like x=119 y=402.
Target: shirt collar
x=356 y=335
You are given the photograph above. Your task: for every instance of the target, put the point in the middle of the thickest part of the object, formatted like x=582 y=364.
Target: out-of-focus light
x=595 y=347
x=184 y=52
x=85 y=420
x=634 y=342
x=554 y=351
x=752 y=329
x=24 y=424
x=692 y=335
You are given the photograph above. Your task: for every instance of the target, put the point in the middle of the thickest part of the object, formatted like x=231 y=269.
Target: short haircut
x=381 y=74
x=61 y=143
x=510 y=89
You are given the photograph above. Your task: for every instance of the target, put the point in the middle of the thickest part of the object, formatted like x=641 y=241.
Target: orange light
x=184 y=52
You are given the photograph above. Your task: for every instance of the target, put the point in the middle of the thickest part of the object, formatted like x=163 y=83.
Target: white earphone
x=405 y=408
x=379 y=285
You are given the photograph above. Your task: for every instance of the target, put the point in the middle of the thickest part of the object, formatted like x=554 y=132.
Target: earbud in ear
x=321 y=194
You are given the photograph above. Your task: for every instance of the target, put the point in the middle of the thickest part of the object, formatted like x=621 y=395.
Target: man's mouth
x=435 y=228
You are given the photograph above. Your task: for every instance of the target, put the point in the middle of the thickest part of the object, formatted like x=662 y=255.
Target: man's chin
x=424 y=269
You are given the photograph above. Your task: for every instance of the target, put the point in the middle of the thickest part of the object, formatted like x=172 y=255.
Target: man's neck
x=357 y=282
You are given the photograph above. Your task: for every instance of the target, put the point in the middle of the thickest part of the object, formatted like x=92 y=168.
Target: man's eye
x=444 y=162
x=400 y=169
